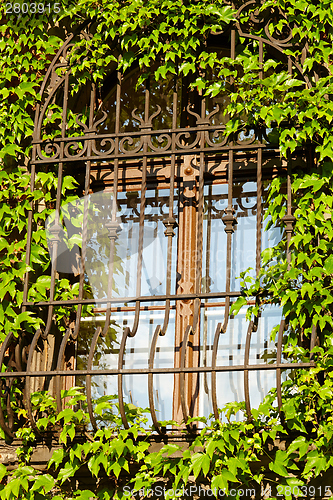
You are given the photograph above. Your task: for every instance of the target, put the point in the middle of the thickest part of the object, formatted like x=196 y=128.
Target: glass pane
x=231 y=352
x=243 y=247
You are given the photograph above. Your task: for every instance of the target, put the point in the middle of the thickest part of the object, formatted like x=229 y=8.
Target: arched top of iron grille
x=65 y=123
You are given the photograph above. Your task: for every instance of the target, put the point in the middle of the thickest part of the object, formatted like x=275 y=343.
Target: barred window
x=163 y=213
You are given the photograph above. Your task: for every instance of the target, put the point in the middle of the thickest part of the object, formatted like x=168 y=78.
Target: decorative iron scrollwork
x=186 y=154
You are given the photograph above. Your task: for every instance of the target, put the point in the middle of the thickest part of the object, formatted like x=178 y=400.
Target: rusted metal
x=75 y=332
x=131 y=371
x=7 y=425
x=313 y=339
x=184 y=396
x=141 y=149
x=88 y=377
x=187 y=311
x=207 y=284
x=126 y=334
x=259 y=211
x=289 y=219
x=170 y=223
x=28 y=404
x=278 y=360
x=60 y=366
x=142 y=299
x=246 y=372
x=157 y=333
x=219 y=329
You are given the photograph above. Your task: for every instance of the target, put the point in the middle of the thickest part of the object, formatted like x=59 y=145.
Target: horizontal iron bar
x=143 y=371
x=126 y=300
x=138 y=133
x=141 y=154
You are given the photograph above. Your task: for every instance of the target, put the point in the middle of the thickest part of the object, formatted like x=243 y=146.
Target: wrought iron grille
x=155 y=168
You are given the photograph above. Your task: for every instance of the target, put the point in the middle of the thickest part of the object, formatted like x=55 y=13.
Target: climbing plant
x=223 y=456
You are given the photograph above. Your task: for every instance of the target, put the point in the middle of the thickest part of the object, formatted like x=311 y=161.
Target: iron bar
x=157 y=333
x=207 y=281
x=313 y=339
x=142 y=215
x=183 y=391
x=27 y=398
x=170 y=223
x=153 y=154
x=6 y=426
x=278 y=358
x=124 y=135
x=120 y=372
x=246 y=372
x=199 y=242
x=84 y=224
x=144 y=298
x=88 y=377
x=60 y=364
x=29 y=233
x=186 y=369
x=113 y=227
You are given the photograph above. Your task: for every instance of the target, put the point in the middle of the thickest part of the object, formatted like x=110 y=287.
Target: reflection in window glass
x=243 y=249
x=135 y=386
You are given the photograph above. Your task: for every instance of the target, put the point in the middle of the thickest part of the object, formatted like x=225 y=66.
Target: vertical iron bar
x=56 y=226
x=229 y=220
x=29 y=231
x=157 y=333
x=290 y=66
x=261 y=59
x=88 y=377
x=54 y=250
x=127 y=333
x=278 y=360
x=207 y=282
x=259 y=210
x=84 y=247
x=289 y=220
x=83 y=255
x=246 y=372
x=253 y=325
x=60 y=364
x=170 y=223
x=313 y=340
x=183 y=392
x=199 y=245
x=113 y=227
x=36 y=134
x=6 y=428
x=85 y=218
x=233 y=49
x=142 y=217
x=27 y=391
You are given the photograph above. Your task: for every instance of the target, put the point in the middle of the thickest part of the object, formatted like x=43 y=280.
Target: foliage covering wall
x=225 y=456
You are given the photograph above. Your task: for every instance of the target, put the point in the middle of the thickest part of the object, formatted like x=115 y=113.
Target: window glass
x=231 y=348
